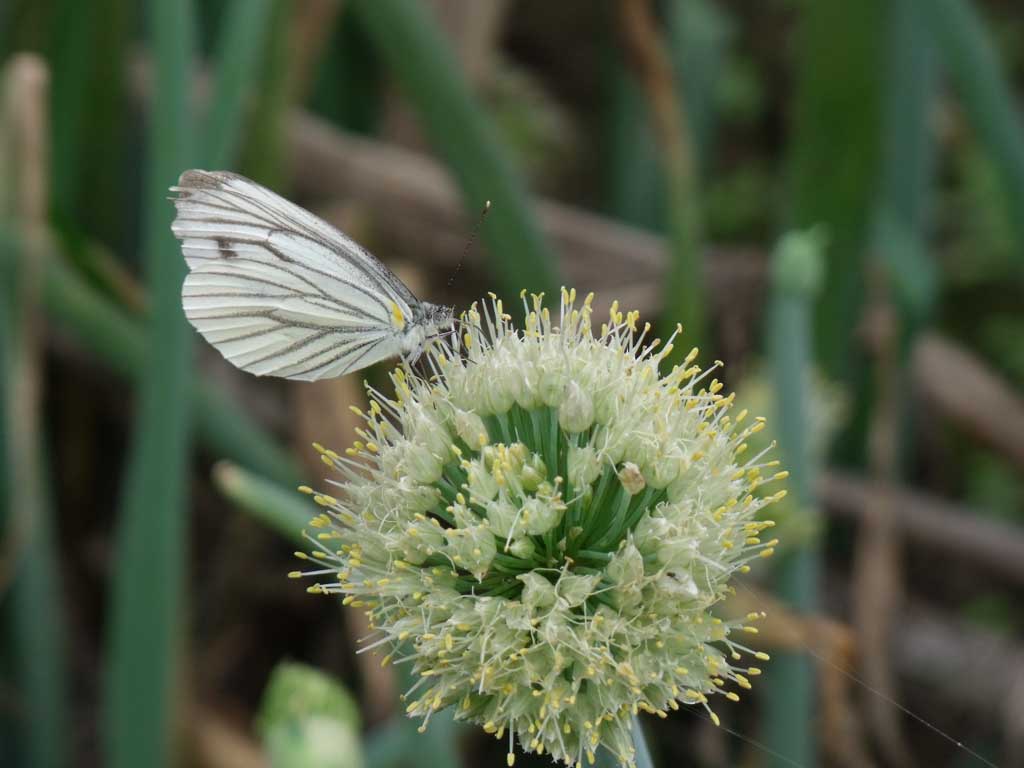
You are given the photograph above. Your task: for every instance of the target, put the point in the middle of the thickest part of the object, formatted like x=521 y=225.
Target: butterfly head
x=429 y=321
x=437 y=317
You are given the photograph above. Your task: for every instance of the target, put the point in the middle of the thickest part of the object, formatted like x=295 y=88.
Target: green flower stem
x=797 y=273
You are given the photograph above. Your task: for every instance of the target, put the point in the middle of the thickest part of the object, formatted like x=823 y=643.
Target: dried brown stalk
x=954 y=532
x=970 y=394
x=25 y=130
x=653 y=67
x=312 y=23
x=876 y=581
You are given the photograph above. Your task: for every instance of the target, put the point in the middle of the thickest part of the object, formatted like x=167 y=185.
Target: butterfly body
x=280 y=292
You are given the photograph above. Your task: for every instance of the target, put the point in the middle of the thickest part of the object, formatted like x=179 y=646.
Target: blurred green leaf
x=697 y=37
x=659 y=186
x=69 y=99
x=117 y=340
x=835 y=151
x=91 y=153
x=908 y=162
x=984 y=90
x=983 y=247
x=634 y=184
x=408 y=40
x=284 y=510
x=146 y=601
x=699 y=34
x=37 y=635
x=33 y=643
x=243 y=39
x=348 y=88
x=309 y=720
x=262 y=157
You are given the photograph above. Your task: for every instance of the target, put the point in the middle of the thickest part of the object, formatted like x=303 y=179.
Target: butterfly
x=280 y=292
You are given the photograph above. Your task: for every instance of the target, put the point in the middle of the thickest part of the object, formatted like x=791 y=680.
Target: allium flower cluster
x=541 y=525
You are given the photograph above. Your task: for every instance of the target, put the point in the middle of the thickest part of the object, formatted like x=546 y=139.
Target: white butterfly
x=280 y=292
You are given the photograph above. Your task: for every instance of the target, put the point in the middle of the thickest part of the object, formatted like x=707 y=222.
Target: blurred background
x=829 y=195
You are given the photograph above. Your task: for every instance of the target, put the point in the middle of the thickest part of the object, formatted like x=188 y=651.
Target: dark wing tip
x=197 y=179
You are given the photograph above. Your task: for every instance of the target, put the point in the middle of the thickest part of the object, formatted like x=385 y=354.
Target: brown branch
x=953 y=530
x=312 y=23
x=973 y=670
x=417 y=199
x=217 y=742
x=970 y=394
x=877 y=578
x=833 y=647
x=474 y=31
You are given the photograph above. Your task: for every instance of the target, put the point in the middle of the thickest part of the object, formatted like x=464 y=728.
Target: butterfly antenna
x=469 y=243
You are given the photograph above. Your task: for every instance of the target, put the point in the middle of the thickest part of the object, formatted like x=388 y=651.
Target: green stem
x=146 y=583
x=986 y=92
x=797 y=269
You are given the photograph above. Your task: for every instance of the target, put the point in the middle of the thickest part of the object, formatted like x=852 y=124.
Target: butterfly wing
x=278 y=291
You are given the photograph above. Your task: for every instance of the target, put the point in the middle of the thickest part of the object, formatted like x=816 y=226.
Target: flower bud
x=533 y=473
x=538 y=592
x=539 y=516
x=676 y=552
x=428 y=432
x=650 y=532
x=576 y=413
x=471 y=429
x=501 y=514
x=551 y=387
x=661 y=471
x=626 y=571
x=421 y=465
x=679 y=584
x=472 y=548
x=632 y=478
x=481 y=483
x=573 y=590
x=523 y=548
x=584 y=466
